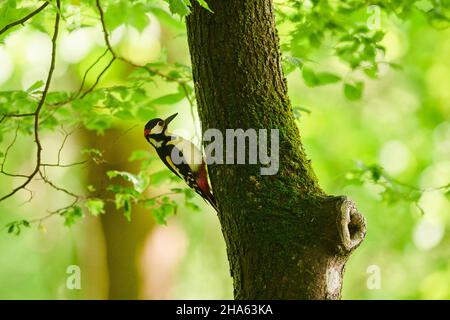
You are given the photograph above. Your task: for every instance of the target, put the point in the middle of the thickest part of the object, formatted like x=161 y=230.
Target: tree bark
x=286 y=239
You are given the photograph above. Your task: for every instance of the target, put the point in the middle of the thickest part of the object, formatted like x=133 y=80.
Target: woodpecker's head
x=156 y=128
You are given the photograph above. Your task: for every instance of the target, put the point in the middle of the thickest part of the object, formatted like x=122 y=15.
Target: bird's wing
x=165 y=158
x=186 y=152
x=186 y=160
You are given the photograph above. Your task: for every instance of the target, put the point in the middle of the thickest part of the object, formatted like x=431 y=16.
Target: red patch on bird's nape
x=146 y=132
x=202 y=179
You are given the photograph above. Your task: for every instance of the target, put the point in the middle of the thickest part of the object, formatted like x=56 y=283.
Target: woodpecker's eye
x=161 y=123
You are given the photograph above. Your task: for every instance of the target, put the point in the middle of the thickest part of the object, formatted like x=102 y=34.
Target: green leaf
x=145 y=113
x=310 y=77
x=192 y=206
x=376 y=172
x=161 y=176
x=127 y=209
x=188 y=194
x=204 y=5
x=115 y=14
x=169 y=99
x=167 y=19
x=163 y=212
x=140 y=182
x=327 y=78
x=438 y=20
x=313 y=79
x=424 y=5
x=124 y=201
x=71 y=215
x=95 y=154
x=447 y=194
x=15 y=226
x=124 y=12
x=137 y=16
x=372 y=71
x=180 y=7
x=138 y=155
x=378 y=36
x=99 y=123
x=294 y=61
x=11 y=228
x=95 y=206
x=291 y=63
x=299 y=111
x=353 y=91
x=143 y=181
x=35 y=86
x=120 y=200
x=148 y=203
x=112 y=174
x=390 y=196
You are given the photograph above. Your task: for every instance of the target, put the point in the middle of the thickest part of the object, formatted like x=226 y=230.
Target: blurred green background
x=402 y=123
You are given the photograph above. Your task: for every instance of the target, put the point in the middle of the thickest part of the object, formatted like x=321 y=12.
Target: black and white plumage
x=181 y=156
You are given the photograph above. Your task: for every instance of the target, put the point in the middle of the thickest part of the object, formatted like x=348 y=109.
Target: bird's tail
x=211 y=200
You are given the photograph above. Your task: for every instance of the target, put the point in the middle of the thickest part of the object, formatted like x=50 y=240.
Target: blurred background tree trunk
x=124 y=240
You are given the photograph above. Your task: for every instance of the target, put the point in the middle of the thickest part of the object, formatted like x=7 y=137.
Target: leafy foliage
x=392 y=191
x=351 y=31
x=112 y=89
x=71 y=215
x=95 y=206
x=182 y=7
x=16 y=226
x=326 y=45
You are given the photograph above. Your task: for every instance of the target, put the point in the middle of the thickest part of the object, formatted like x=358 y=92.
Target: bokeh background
x=402 y=123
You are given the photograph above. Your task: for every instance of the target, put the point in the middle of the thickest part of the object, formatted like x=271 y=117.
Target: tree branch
x=5 y=156
x=24 y=19
x=98 y=78
x=105 y=30
x=87 y=72
x=54 y=186
x=39 y=107
x=20 y=115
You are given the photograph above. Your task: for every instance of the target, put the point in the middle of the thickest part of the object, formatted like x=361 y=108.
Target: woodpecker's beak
x=169 y=119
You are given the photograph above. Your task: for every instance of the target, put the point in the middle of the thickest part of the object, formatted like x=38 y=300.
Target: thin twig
x=105 y=30
x=20 y=115
x=109 y=47
x=5 y=156
x=191 y=107
x=64 y=165
x=52 y=213
x=29 y=199
x=98 y=78
x=87 y=72
x=54 y=186
x=39 y=107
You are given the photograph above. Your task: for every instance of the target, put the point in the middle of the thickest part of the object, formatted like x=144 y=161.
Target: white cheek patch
x=157 y=129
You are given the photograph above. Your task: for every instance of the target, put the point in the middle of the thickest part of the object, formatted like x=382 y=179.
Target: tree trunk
x=286 y=239
x=124 y=240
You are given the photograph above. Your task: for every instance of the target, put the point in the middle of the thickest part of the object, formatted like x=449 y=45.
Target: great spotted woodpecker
x=181 y=156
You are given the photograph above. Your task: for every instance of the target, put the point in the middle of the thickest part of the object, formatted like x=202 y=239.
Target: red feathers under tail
x=203 y=184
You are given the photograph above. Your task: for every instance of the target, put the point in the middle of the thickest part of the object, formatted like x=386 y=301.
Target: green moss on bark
x=281 y=232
